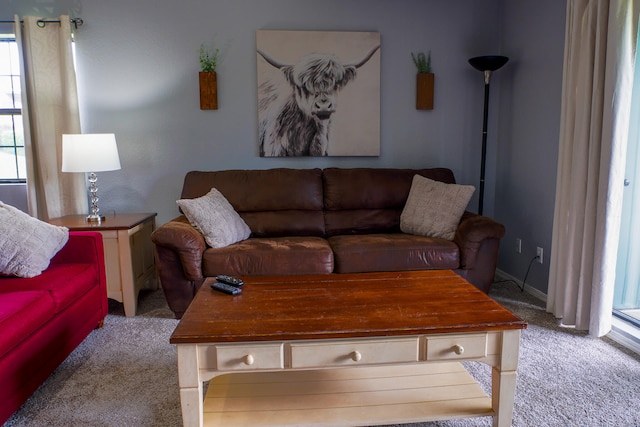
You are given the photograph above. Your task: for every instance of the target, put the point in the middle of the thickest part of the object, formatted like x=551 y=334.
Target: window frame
x=12 y=112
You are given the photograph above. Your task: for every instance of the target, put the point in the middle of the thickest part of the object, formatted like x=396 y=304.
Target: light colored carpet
x=125 y=375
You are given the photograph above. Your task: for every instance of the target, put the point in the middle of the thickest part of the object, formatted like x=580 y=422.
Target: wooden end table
x=128 y=253
x=345 y=349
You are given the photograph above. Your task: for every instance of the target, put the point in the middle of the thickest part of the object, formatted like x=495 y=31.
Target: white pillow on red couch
x=434 y=208
x=26 y=243
x=215 y=218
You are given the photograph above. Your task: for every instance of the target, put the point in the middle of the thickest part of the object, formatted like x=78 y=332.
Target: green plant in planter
x=423 y=62
x=208 y=59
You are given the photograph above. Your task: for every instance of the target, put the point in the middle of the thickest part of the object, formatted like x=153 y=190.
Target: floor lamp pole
x=485 y=119
x=486 y=64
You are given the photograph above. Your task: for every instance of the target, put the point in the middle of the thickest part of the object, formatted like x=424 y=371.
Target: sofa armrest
x=180 y=237
x=86 y=247
x=83 y=247
x=472 y=231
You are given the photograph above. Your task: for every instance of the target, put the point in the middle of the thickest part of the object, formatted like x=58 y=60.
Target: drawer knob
x=458 y=349
x=248 y=359
x=356 y=356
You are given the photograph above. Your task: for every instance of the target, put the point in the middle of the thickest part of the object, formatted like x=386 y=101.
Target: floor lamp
x=486 y=64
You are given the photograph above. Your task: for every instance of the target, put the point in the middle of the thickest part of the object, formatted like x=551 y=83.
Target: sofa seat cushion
x=21 y=313
x=65 y=283
x=392 y=252
x=270 y=256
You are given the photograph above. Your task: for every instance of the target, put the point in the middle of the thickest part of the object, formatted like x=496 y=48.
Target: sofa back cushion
x=273 y=202
x=370 y=200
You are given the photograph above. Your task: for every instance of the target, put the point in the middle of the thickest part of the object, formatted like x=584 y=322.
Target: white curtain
x=50 y=108
x=598 y=71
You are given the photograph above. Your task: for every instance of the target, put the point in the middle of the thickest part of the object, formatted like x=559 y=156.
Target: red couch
x=44 y=318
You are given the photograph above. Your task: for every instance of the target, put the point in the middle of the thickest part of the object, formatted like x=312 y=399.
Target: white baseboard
x=501 y=275
x=621 y=332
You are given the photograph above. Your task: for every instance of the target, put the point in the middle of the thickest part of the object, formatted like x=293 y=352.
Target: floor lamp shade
x=90 y=152
x=486 y=64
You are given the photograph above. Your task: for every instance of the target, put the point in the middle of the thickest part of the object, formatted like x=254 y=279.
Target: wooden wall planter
x=424 y=91
x=208 y=91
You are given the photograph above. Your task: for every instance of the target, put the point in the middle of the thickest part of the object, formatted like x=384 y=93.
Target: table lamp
x=90 y=152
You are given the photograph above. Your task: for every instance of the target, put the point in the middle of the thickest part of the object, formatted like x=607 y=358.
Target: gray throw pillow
x=26 y=243
x=433 y=208
x=215 y=218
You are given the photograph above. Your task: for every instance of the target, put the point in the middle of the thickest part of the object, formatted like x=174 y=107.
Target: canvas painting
x=318 y=93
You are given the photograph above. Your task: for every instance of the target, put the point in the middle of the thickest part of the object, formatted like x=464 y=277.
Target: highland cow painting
x=318 y=93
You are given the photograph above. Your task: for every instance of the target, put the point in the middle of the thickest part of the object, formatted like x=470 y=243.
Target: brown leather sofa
x=315 y=221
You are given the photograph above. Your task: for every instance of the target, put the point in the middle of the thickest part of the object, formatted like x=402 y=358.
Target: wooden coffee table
x=348 y=349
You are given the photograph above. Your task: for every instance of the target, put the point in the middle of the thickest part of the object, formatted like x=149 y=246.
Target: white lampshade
x=89 y=152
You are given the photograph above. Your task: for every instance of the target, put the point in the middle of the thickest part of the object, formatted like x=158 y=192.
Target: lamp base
x=95 y=218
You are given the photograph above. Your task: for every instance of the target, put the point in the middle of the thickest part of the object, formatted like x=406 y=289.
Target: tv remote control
x=227 y=289
x=233 y=281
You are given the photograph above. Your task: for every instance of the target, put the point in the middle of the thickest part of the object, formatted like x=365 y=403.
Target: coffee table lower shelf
x=345 y=396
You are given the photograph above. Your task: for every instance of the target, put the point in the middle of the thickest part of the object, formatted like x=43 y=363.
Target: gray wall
x=529 y=127
x=138 y=65
x=137 y=75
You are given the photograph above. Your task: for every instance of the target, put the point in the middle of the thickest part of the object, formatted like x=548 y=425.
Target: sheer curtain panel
x=598 y=67
x=50 y=108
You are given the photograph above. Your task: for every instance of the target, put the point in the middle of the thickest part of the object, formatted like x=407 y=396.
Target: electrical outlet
x=518 y=245
x=540 y=254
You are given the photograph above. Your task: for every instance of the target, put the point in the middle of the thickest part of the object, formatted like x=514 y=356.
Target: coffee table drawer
x=249 y=357
x=456 y=347
x=317 y=354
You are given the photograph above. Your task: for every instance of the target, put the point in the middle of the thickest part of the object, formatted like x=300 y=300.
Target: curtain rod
x=77 y=22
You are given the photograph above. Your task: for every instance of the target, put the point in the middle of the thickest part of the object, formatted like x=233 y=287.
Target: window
x=12 y=155
x=626 y=302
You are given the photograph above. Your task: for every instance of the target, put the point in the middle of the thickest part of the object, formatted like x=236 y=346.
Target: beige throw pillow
x=215 y=218
x=433 y=208
x=26 y=243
